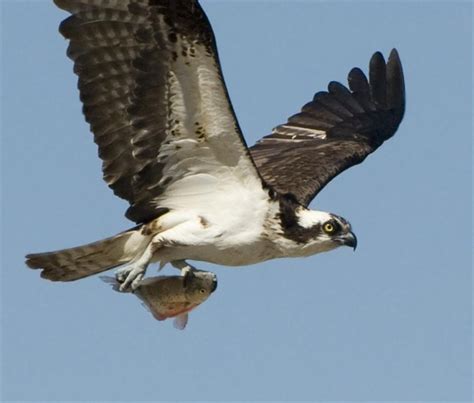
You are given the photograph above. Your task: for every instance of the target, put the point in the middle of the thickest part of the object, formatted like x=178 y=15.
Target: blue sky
x=391 y=321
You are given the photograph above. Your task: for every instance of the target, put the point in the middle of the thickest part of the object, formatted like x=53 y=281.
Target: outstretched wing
x=335 y=131
x=153 y=93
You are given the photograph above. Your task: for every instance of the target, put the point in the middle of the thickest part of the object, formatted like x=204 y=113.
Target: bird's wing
x=334 y=131
x=154 y=96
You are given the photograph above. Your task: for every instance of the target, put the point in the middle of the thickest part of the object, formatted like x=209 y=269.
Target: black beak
x=350 y=240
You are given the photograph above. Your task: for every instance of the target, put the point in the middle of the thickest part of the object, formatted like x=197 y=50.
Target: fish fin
x=180 y=321
x=146 y=307
x=157 y=315
x=112 y=281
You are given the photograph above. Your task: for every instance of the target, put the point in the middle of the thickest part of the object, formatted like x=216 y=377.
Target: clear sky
x=391 y=321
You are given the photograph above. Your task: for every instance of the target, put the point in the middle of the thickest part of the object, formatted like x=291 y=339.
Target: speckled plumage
x=150 y=82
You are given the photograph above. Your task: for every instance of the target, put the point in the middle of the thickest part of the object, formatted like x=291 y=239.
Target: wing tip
x=377 y=60
x=387 y=80
x=396 y=83
x=336 y=86
x=395 y=56
x=394 y=64
x=357 y=80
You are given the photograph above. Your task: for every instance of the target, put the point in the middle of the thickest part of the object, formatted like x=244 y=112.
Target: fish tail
x=112 y=281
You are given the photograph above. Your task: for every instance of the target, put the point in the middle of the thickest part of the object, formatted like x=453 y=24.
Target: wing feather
x=154 y=96
x=335 y=131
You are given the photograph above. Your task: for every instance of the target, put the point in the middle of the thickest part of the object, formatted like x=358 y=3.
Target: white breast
x=231 y=231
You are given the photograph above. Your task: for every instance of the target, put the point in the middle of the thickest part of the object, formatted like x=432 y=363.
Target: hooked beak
x=350 y=240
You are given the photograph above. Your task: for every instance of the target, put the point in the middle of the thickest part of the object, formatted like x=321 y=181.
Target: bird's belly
x=231 y=255
x=229 y=238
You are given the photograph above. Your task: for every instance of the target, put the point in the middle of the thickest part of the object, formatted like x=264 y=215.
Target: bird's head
x=324 y=231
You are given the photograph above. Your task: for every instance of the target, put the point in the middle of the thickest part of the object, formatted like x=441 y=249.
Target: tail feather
x=86 y=260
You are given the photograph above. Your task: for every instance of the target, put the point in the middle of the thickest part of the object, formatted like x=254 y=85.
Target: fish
x=172 y=296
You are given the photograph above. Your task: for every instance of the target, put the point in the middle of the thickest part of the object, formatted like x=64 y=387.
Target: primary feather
x=339 y=128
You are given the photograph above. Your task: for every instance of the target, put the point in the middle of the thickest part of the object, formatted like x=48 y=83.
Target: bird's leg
x=184 y=266
x=130 y=275
x=187 y=271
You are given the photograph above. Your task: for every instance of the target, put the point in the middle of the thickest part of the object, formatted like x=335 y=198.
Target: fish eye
x=202 y=291
x=329 y=228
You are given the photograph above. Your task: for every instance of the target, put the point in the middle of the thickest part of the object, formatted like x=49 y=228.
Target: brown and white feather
x=86 y=260
x=153 y=93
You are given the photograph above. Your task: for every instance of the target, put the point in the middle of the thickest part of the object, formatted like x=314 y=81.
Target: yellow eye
x=329 y=228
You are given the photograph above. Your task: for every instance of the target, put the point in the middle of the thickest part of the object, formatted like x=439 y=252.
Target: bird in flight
x=155 y=98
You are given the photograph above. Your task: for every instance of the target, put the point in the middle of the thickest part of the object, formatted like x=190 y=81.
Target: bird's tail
x=83 y=261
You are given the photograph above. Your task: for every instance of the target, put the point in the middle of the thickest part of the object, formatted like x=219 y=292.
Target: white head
x=316 y=231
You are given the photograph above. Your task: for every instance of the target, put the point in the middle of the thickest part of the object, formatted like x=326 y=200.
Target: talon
x=130 y=277
x=120 y=277
x=136 y=282
x=124 y=286
x=187 y=273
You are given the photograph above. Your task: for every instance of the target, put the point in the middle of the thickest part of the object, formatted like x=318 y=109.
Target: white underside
x=234 y=237
x=226 y=232
x=234 y=226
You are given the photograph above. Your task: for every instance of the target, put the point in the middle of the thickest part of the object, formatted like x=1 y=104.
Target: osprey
x=155 y=99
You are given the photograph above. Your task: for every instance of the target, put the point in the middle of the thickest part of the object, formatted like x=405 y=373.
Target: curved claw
x=130 y=277
x=187 y=273
x=184 y=266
